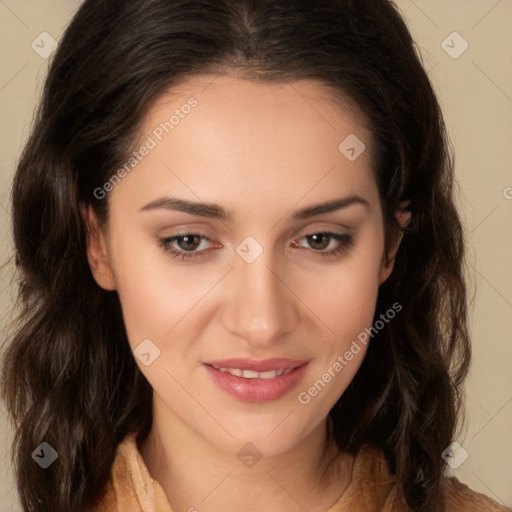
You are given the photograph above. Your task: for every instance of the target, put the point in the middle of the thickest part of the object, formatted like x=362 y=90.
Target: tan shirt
x=372 y=488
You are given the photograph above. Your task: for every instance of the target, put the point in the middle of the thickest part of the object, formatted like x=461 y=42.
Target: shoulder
x=130 y=487
x=375 y=487
x=459 y=497
x=117 y=492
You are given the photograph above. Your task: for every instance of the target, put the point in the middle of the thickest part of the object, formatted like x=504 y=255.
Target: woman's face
x=265 y=275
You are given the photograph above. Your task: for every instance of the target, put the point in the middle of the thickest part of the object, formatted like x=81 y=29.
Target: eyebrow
x=214 y=211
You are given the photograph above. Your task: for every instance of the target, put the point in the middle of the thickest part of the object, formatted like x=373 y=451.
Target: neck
x=195 y=475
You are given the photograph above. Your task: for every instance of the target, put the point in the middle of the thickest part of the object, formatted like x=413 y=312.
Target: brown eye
x=188 y=242
x=185 y=246
x=319 y=241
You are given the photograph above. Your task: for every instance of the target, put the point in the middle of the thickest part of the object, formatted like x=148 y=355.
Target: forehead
x=221 y=96
x=215 y=136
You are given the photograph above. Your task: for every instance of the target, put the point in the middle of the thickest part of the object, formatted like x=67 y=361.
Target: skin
x=261 y=151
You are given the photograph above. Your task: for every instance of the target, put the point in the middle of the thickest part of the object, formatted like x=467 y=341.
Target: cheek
x=157 y=293
x=148 y=290
x=344 y=295
x=346 y=306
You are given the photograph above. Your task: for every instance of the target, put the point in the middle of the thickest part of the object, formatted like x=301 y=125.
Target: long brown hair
x=69 y=377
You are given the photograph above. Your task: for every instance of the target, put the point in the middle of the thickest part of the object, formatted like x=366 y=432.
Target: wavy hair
x=68 y=375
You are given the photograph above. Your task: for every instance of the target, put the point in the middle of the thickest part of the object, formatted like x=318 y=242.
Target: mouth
x=244 y=364
x=250 y=374
x=241 y=380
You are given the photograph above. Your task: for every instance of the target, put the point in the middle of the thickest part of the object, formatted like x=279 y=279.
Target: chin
x=264 y=440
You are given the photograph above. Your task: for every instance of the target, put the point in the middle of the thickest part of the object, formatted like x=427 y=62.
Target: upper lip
x=257 y=366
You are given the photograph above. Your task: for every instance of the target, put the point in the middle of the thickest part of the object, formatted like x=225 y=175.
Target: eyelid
x=167 y=240
x=345 y=241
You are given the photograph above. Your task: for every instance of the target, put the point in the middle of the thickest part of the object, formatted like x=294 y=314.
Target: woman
x=241 y=266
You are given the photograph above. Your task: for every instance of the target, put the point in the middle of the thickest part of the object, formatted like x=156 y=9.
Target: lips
x=256 y=386
x=257 y=366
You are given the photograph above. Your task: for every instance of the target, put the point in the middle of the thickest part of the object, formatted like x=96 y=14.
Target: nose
x=260 y=306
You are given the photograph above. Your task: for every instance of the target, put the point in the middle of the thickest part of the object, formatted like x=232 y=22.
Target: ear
x=97 y=253
x=403 y=217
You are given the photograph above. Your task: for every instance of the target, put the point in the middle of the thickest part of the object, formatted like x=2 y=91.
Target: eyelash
x=346 y=240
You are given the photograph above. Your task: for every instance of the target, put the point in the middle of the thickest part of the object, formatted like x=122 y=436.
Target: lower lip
x=256 y=390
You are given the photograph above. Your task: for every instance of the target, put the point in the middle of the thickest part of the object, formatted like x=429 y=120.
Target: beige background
x=475 y=90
